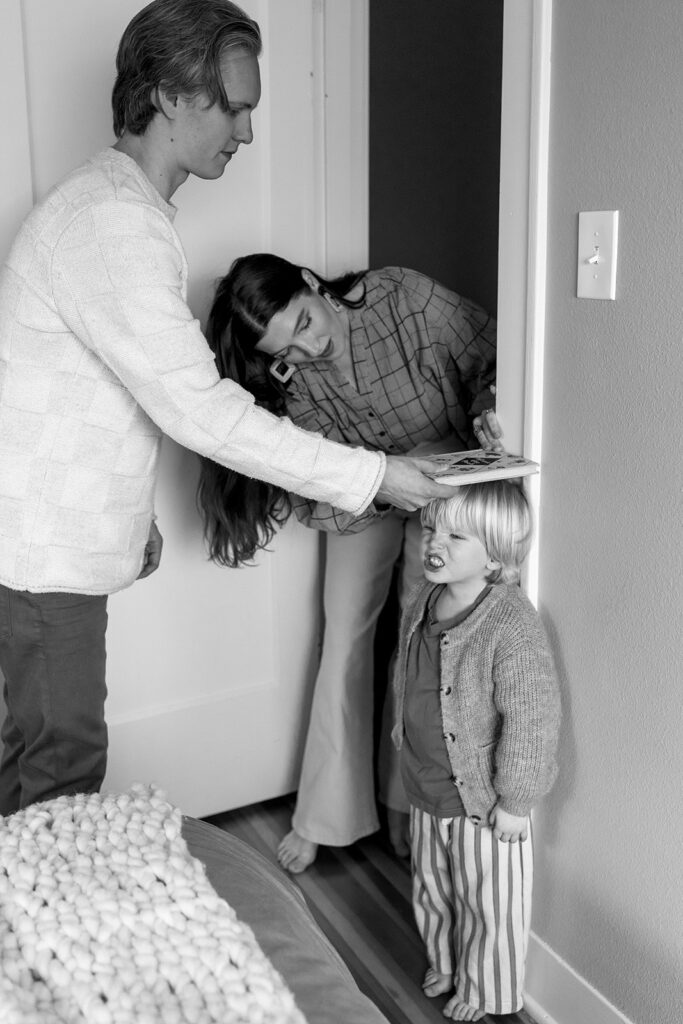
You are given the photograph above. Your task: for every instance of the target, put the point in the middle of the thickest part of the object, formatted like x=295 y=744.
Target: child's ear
x=493 y=565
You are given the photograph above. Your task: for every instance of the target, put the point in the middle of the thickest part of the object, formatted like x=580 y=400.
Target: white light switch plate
x=596 y=276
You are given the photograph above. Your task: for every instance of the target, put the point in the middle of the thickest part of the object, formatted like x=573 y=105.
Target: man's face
x=206 y=137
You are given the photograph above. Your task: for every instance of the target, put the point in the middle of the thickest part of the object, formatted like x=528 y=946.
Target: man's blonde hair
x=497 y=513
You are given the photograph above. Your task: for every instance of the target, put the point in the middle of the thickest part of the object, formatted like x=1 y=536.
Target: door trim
x=17 y=175
x=523 y=216
x=342 y=42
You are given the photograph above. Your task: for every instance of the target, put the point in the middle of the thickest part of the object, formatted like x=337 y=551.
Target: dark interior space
x=435 y=101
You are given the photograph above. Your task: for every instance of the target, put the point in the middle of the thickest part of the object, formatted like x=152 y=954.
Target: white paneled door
x=209 y=670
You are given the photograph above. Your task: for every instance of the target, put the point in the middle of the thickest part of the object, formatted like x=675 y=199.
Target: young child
x=477 y=716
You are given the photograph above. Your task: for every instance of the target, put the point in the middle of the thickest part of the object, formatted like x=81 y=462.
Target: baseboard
x=556 y=994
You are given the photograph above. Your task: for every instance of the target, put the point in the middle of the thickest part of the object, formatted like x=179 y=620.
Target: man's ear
x=165 y=102
x=310 y=279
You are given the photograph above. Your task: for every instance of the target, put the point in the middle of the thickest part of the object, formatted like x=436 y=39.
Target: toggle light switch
x=596 y=276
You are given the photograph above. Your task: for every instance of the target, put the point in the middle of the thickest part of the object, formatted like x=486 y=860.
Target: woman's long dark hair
x=240 y=514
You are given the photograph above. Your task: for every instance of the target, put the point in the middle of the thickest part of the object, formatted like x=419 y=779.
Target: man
x=100 y=355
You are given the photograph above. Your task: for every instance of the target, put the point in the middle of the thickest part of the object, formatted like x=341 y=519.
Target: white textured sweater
x=100 y=354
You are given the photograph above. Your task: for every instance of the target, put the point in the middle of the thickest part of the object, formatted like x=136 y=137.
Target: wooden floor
x=360 y=896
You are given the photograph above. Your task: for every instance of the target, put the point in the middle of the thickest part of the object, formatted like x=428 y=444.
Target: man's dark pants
x=52 y=655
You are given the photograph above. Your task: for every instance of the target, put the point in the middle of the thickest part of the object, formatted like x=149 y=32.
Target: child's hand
x=508 y=827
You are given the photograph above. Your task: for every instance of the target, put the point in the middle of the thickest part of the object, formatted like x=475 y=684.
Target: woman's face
x=308 y=330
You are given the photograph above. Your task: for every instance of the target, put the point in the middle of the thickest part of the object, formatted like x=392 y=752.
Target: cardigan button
x=457 y=782
x=444 y=639
x=449 y=737
x=446 y=690
x=475 y=819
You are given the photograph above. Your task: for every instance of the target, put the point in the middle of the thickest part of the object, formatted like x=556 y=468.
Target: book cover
x=478 y=466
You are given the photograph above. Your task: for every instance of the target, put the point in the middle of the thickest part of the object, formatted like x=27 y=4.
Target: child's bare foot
x=455 y=1010
x=295 y=853
x=399 y=832
x=436 y=984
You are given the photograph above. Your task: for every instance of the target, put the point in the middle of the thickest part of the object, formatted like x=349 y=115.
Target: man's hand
x=155 y=543
x=508 y=827
x=444 y=446
x=406 y=483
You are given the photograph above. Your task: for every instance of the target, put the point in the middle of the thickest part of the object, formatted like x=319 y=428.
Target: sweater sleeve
x=118 y=280
x=526 y=695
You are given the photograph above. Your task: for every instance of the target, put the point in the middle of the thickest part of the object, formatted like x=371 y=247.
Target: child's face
x=454 y=557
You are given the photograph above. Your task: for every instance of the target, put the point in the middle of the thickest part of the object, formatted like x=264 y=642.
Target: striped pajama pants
x=472 y=906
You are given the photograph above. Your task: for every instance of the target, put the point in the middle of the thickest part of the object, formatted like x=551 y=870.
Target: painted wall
x=608 y=891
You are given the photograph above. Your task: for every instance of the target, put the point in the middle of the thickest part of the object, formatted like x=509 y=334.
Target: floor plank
x=360 y=897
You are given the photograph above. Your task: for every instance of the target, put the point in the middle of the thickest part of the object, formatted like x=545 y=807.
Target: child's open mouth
x=434 y=562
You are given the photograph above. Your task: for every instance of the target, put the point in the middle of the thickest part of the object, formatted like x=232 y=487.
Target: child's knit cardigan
x=499 y=700
x=100 y=354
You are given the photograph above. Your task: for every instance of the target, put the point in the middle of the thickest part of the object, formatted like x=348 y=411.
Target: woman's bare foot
x=295 y=853
x=456 y=1010
x=436 y=984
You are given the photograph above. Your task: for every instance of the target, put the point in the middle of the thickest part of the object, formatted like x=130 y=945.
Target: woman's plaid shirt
x=424 y=359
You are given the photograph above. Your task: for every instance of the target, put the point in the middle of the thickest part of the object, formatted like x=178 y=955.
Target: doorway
x=434 y=166
x=434 y=151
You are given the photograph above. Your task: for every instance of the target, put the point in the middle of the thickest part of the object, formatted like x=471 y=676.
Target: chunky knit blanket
x=106 y=918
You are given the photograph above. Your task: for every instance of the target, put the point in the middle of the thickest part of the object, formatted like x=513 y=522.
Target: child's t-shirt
x=425 y=768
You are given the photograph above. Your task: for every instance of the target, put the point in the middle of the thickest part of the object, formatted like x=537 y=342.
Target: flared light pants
x=336 y=798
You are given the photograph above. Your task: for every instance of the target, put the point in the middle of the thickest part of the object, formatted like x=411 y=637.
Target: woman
x=386 y=359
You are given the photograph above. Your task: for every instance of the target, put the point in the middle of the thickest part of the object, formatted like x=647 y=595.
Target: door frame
x=523 y=218
x=342 y=31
